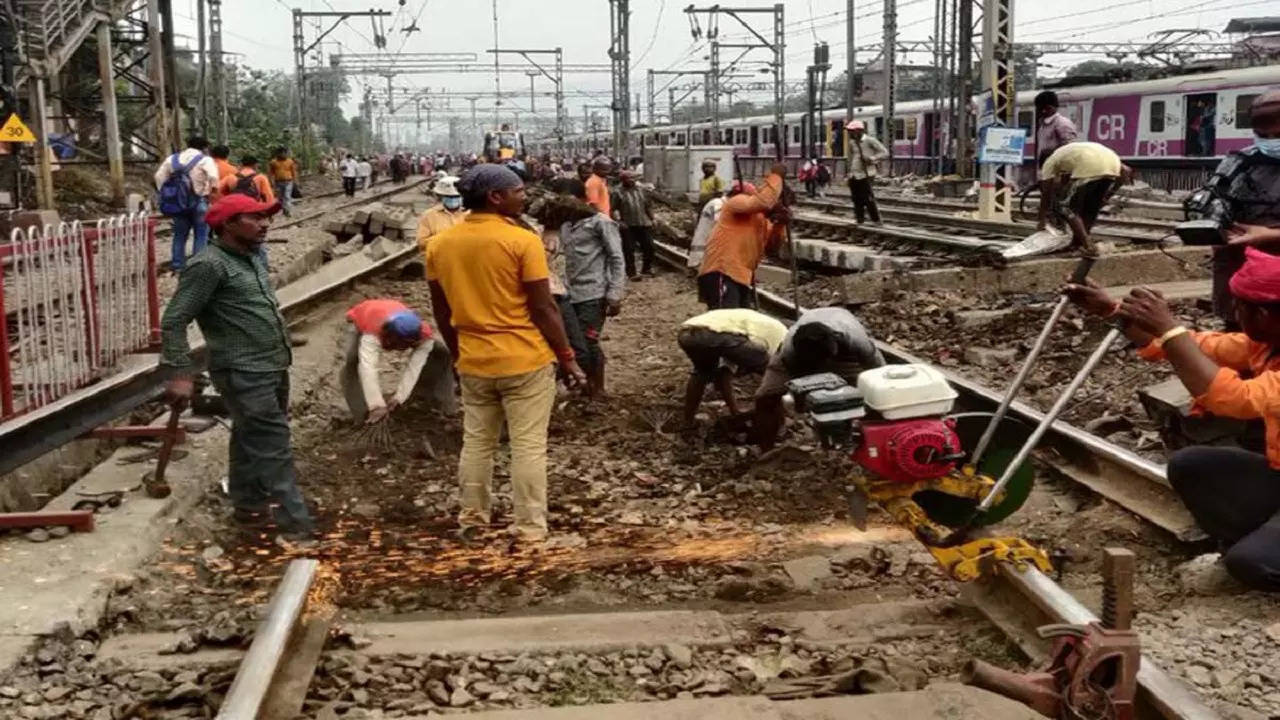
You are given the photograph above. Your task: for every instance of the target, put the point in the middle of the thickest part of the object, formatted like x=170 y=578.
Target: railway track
x=1107 y=222
x=946 y=233
x=273 y=674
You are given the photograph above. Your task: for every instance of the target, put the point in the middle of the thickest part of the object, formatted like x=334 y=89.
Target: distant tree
x=1113 y=71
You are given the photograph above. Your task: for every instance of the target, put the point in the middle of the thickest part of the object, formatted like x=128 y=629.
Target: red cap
x=237 y=204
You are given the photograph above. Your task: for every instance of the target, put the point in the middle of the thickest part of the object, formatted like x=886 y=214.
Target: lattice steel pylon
x=995 y=197
x=219 y=70
x=620 y=55
x=890 y=61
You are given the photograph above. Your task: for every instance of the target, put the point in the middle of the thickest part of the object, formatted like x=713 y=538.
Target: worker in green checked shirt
x=226 y=291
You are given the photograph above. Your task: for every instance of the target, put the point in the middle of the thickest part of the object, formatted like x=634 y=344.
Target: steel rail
x=924 y=212
x=1018 y=600
x=926 y=236
x=258 y=670
x=1140 y=224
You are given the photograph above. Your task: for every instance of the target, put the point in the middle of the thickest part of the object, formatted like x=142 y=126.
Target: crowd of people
x=189 y=181
x=521 y=292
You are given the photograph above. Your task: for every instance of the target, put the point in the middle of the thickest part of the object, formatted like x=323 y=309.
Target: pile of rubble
x=393 y=220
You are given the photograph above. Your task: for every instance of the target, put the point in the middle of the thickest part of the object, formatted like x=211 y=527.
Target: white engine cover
x=897 y=392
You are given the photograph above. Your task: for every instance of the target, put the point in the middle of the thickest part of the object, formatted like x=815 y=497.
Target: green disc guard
x=953 y=511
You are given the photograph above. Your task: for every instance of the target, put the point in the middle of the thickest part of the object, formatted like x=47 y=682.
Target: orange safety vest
x=370 y=315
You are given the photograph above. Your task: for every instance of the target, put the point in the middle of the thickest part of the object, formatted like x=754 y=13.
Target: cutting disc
x=952 y=511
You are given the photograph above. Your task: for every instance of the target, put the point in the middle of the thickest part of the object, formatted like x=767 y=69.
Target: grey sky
x=660 y=37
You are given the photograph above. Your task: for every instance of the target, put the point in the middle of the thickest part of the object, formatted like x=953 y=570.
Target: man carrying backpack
x=184 y=181
x=247 y=181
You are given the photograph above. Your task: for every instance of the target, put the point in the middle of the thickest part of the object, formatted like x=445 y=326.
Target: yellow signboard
x=14 y=130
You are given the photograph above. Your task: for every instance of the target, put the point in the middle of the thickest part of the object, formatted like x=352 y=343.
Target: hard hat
x=855 y=125
x=447 y=186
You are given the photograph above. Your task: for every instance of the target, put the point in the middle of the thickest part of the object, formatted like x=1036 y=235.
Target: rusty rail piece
x=258 y=672
x=1018 y=602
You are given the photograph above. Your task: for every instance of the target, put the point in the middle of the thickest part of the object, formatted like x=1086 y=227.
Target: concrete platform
x=66 y=581
x=939 y=702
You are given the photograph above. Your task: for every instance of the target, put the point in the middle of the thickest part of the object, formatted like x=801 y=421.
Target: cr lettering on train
x=1110 y=127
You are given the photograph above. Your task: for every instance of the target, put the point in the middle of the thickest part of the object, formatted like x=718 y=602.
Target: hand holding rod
x=1049 y=418
x=1077 y=277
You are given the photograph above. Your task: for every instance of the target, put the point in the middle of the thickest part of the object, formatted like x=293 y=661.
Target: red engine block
x=908 y=450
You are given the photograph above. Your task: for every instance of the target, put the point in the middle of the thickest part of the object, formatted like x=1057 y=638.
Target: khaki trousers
x=525 y=402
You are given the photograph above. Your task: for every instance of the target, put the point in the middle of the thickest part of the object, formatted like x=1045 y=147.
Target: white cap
x=447 y=186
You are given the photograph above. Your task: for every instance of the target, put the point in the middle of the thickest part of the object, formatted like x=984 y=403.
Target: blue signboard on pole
x=1001 y=146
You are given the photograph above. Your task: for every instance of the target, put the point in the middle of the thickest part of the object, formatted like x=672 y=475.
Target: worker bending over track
x=1233 y=494
x=724 y=343
x=823 y=340
x=385 y=324
x=1094 y=172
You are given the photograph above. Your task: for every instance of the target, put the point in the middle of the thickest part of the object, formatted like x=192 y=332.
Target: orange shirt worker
x=750 y=224
x=1233 y=493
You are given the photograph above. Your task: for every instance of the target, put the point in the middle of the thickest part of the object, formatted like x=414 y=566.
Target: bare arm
x=1195 y=369
x=546 y=316
x=444 y=318
x=615 y=268
x=1048 y=188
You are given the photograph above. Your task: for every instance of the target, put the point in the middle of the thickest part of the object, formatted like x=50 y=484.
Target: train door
x=1201 y=124
x=753 y=142
x=835 y=131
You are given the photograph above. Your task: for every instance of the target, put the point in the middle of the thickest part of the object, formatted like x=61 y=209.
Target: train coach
x=1175 y=129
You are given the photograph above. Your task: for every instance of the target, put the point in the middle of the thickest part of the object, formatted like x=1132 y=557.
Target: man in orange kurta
x=749 y=226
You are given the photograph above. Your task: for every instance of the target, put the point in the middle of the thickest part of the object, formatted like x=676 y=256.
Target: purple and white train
x=1176 y=127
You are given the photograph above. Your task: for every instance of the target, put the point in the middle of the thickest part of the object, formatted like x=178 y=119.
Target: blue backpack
x=177 y=196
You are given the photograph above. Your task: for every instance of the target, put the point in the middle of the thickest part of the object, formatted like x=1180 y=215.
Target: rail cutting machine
x=899 y=422
x=899 y=426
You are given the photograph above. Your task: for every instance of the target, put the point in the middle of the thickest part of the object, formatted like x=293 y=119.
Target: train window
x=706 y=137
x=679 y=138
x=742 y=136
x=1243 y=104
x=795 y=133
x=912 y=127
x=1157 y=116
x=899 y=129
x=1026 y=119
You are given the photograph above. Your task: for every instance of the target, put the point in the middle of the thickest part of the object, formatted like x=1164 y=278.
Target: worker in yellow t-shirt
x=491 y=295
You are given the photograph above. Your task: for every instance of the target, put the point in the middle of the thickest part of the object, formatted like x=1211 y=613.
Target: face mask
x=451 y=203
x=1269 y=147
